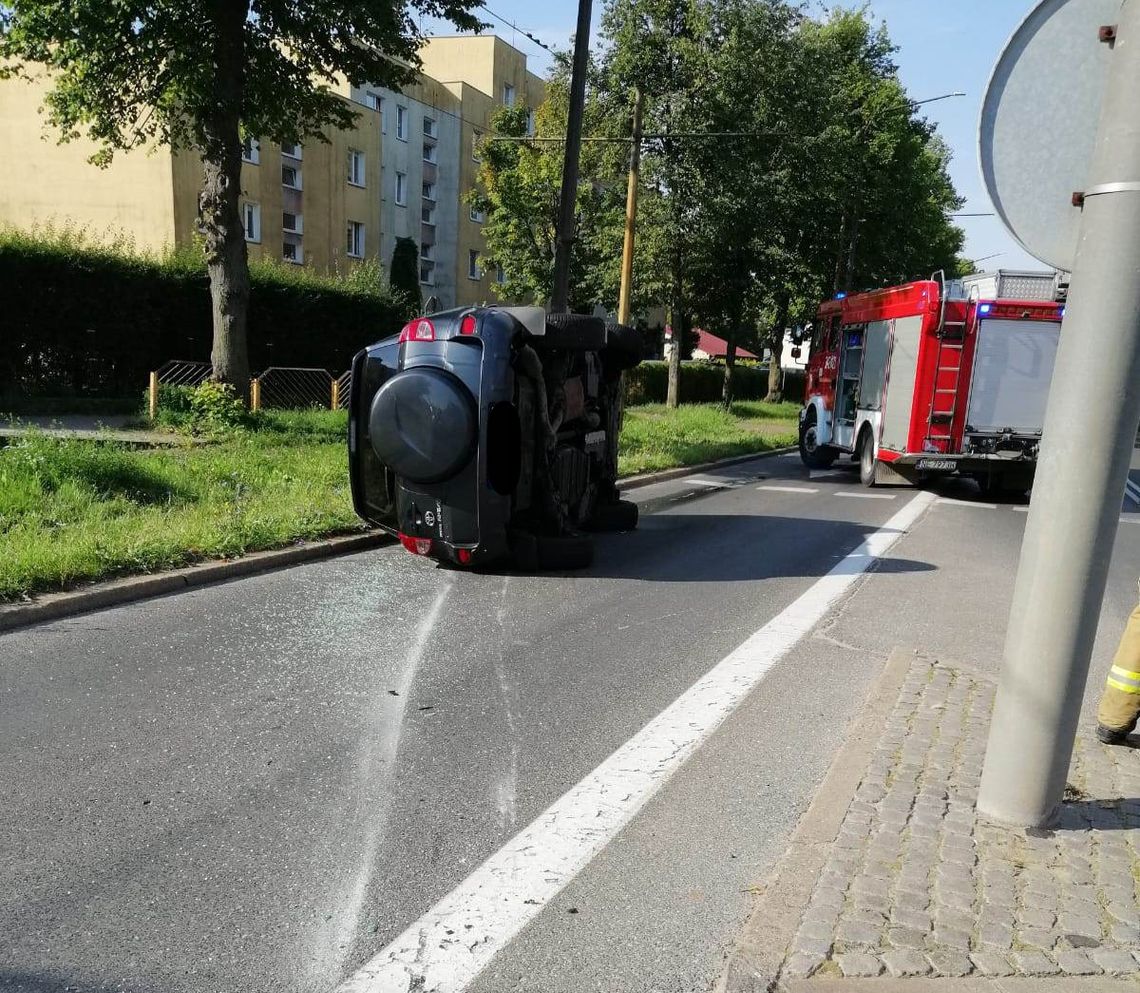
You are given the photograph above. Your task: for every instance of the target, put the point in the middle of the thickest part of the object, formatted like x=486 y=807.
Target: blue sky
x=944 y=46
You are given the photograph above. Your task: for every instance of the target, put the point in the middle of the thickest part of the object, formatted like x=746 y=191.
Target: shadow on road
x=711 y=548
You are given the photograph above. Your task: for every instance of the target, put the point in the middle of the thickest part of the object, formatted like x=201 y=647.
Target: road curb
x=754 y=962
x=116 y=592
x=667 y=475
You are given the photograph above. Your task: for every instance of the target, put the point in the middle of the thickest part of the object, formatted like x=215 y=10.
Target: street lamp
x=945 y=96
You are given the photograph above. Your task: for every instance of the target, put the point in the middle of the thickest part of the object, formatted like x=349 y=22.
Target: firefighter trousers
x=1120 y=705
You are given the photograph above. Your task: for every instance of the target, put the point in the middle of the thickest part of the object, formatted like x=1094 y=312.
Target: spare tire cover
x=423 y=424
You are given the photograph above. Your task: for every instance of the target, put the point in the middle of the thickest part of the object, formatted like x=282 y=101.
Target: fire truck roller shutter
x=900 y=383
x=877 y=351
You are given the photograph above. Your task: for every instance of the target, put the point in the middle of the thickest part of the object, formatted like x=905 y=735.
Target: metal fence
x=279 y=387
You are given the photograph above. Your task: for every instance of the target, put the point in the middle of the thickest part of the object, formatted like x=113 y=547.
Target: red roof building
x=709 y=346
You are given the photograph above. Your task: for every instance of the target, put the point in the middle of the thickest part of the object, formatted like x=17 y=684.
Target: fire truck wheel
x=867 y=458
x=813 y=454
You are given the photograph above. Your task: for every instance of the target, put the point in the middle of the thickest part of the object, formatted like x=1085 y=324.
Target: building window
x=355 y=246
x=427 y=252
x=477 y=216
x=473 y=265
x=429 y=191
x=430 y=154
x=476 y=137
x=427 y=272
x=427 y=213
x=251 y=221
x=429 y=127
x=293 y=151
x=500 y=276
x=401 y=123
x=374 y=100
x=291 y=223
x=508 y=95
x=355 y=167
x=530 y=122
x=291 y=252
x=401 y=189
x=251 y=150
x=290 y=177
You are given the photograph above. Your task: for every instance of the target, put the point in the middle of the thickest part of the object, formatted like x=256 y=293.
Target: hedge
x=703 y=382
x=88 y=321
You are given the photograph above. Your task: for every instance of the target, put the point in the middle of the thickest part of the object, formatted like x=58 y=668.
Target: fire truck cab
x=935 y=379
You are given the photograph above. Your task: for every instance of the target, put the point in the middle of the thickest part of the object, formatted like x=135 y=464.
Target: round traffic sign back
x=1039 y=122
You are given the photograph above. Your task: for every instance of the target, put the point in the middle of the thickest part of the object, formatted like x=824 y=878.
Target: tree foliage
x=783 y=161
x=200 y=74
x=404 y=278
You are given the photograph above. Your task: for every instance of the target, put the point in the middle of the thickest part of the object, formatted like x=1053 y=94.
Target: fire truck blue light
x=985 y=308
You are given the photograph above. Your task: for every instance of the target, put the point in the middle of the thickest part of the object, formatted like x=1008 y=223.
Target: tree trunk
x=775 y=363
x=219 y=212
x=729 y=371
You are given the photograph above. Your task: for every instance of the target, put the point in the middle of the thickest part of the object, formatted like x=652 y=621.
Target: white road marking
x=1130 y=520
x=708 y=482
x=1021 y=510
x=835 y=474
x=1132 y=491
x=456 y=939
x=967 y=503
x=787 y=489
x=867 y=496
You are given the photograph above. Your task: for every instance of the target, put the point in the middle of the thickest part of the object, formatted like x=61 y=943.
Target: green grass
x=655 y=437
x=74 y=511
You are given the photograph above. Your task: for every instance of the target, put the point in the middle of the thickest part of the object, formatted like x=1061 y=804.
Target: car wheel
x=813 y=454
x=619 y=516
x=573 y=333
x=867 y=458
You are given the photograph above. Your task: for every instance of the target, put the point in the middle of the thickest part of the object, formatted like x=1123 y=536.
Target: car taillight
x=420 y=329
x=467 y=325
x=417 y=546
x=464 y=556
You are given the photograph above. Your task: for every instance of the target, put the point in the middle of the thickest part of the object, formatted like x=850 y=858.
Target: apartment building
x=404 y=170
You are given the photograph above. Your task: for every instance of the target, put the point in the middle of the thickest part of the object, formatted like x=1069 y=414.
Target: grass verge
x=74 y=511
x=655 y=437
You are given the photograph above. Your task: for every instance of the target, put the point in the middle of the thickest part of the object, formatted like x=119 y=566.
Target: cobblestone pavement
x=917 y=885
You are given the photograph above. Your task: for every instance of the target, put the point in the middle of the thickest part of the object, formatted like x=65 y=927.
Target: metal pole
x=560 y=295
x=624 y=300
x=1083 y=466
x=152 y=396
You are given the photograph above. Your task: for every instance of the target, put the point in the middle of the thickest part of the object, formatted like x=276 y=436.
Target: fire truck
x=935 y=378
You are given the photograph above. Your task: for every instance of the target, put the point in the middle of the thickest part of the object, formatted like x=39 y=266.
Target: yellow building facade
x=405 y=169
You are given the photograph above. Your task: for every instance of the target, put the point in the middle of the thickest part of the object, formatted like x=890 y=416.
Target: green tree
x=404 y=278
x=201 y=74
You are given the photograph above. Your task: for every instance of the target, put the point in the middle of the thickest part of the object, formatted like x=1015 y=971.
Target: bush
x=703 y=382
x=92 y=321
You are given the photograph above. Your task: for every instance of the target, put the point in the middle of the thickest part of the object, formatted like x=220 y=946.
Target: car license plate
x=937 y=465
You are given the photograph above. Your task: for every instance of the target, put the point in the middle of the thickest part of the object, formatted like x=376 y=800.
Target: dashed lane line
x=788 y=489
x=456 y=939
x=866 y=496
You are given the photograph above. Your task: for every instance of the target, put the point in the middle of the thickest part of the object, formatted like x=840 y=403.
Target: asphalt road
x=257 y=786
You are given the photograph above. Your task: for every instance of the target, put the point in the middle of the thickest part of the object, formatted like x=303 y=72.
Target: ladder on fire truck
x=949 y=366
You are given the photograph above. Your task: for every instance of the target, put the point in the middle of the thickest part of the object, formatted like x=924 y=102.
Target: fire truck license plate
x=937 y=465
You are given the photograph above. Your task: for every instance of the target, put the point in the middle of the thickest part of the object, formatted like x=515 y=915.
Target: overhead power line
x=515 y=27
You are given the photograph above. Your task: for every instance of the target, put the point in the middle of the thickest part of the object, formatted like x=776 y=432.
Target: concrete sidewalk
x=893 y=883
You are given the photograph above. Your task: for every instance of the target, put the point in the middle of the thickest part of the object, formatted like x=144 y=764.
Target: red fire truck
x=934 y=379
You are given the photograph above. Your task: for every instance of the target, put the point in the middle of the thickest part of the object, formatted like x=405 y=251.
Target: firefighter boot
x=1120 y=704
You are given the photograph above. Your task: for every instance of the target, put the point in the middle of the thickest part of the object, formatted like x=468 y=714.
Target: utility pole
x=625 y=301
x=560 y=295
x=1085 y=456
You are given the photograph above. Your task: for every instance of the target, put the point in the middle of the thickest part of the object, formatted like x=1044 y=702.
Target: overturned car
x=483 y=435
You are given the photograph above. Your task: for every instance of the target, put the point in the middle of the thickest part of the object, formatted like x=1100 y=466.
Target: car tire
x=573 y=333
x=564 y=552
x=623 y=346
x=621 y=515
x=867 y=466
x=814 y=455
